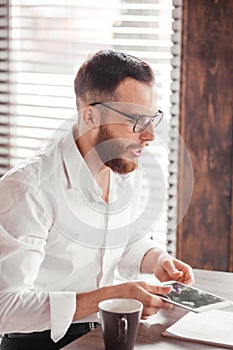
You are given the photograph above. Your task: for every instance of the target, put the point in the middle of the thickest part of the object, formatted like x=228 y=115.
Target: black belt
x=74 y=329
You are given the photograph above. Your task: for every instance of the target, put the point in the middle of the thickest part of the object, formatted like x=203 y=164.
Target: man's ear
x=89 y=118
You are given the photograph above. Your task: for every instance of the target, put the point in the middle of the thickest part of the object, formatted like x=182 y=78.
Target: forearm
x=87 y=303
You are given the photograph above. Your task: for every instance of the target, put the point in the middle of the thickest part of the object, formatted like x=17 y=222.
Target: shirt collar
x=77 y=171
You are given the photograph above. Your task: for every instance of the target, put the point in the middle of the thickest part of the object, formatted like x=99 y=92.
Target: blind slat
x=90 y=5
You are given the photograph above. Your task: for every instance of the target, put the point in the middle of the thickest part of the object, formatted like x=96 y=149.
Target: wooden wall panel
x=205 y=234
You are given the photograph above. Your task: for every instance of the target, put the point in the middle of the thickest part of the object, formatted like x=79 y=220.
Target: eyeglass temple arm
x=159 y=112
x=113 y=109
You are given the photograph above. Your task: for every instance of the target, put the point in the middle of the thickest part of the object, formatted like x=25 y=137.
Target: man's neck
x=99 y=171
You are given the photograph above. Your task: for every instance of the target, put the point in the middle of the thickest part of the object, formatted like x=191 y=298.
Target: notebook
x=214 y=327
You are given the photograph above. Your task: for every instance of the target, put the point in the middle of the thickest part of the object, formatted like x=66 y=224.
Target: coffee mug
x=119 y=321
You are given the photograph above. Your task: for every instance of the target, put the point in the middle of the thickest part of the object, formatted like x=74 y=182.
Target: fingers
x=189 y=277
x=152 y=303
x=179 y=271
x=187 y=271
x=157 y=289
x=152 y=292
x=148 y=295
x=156 y=305
x=172 y=270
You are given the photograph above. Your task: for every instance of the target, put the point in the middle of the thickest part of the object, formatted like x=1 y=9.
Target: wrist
x=87 y=303
x=150 y=260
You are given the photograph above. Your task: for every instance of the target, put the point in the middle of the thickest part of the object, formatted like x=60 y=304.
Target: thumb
x=160 y=289
x=172 y=271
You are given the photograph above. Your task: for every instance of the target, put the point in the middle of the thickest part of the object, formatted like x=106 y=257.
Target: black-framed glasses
x=141 y=123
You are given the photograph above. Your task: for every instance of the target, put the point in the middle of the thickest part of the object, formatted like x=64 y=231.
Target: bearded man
x=71 y=215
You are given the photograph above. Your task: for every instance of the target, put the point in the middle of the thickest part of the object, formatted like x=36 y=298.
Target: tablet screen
x=190 y=297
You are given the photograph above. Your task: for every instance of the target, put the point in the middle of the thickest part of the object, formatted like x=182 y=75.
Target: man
x=70 y=215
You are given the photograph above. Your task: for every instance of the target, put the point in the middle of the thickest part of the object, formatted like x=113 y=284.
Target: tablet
x=193 y=299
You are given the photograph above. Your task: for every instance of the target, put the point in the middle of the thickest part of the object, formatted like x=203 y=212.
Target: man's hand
x=87 y=303
x=148 y=295
x=166 y=268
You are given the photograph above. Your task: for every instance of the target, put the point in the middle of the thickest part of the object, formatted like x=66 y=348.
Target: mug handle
x=122 y=329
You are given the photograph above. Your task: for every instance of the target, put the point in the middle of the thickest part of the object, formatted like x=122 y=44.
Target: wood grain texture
x=205 y=235
x=231 y=229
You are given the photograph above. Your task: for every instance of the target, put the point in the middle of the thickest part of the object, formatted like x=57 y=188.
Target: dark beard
x=110 y=151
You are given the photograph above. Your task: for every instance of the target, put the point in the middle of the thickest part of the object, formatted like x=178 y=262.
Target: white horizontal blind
x=48 y=40
x=4 y=87
x=174 y=130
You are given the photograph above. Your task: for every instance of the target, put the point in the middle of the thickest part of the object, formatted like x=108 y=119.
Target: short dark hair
x=99 y=76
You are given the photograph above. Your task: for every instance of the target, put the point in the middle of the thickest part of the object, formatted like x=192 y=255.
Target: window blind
x=4 y=88
x=45 y=42
x=174 y=129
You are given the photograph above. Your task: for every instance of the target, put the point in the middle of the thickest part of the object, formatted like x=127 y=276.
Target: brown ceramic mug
x=119 y=321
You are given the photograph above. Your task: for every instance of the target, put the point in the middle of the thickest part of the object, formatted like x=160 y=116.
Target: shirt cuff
x=62 y=309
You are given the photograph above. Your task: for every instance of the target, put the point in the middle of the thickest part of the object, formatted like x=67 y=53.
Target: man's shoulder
x=29 y=172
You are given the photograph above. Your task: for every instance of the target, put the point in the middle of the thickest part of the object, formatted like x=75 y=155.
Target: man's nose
x=148 y=133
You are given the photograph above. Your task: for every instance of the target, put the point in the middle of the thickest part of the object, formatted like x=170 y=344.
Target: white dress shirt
x=58 y=237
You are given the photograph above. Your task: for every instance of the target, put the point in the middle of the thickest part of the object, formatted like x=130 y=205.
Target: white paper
x=215 y=326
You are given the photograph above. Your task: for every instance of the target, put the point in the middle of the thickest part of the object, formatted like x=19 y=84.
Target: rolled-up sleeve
x=130 y=264
x=24 y=228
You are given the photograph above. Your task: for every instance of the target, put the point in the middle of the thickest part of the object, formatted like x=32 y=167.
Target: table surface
x=149 y=337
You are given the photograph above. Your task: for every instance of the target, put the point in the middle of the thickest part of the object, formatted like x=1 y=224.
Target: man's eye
x=143 y=120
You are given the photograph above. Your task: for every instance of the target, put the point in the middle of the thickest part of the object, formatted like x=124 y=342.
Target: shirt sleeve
x=24 y=229
x=130 y=264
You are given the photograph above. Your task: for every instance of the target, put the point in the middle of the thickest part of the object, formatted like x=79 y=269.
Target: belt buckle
x=91 y=326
